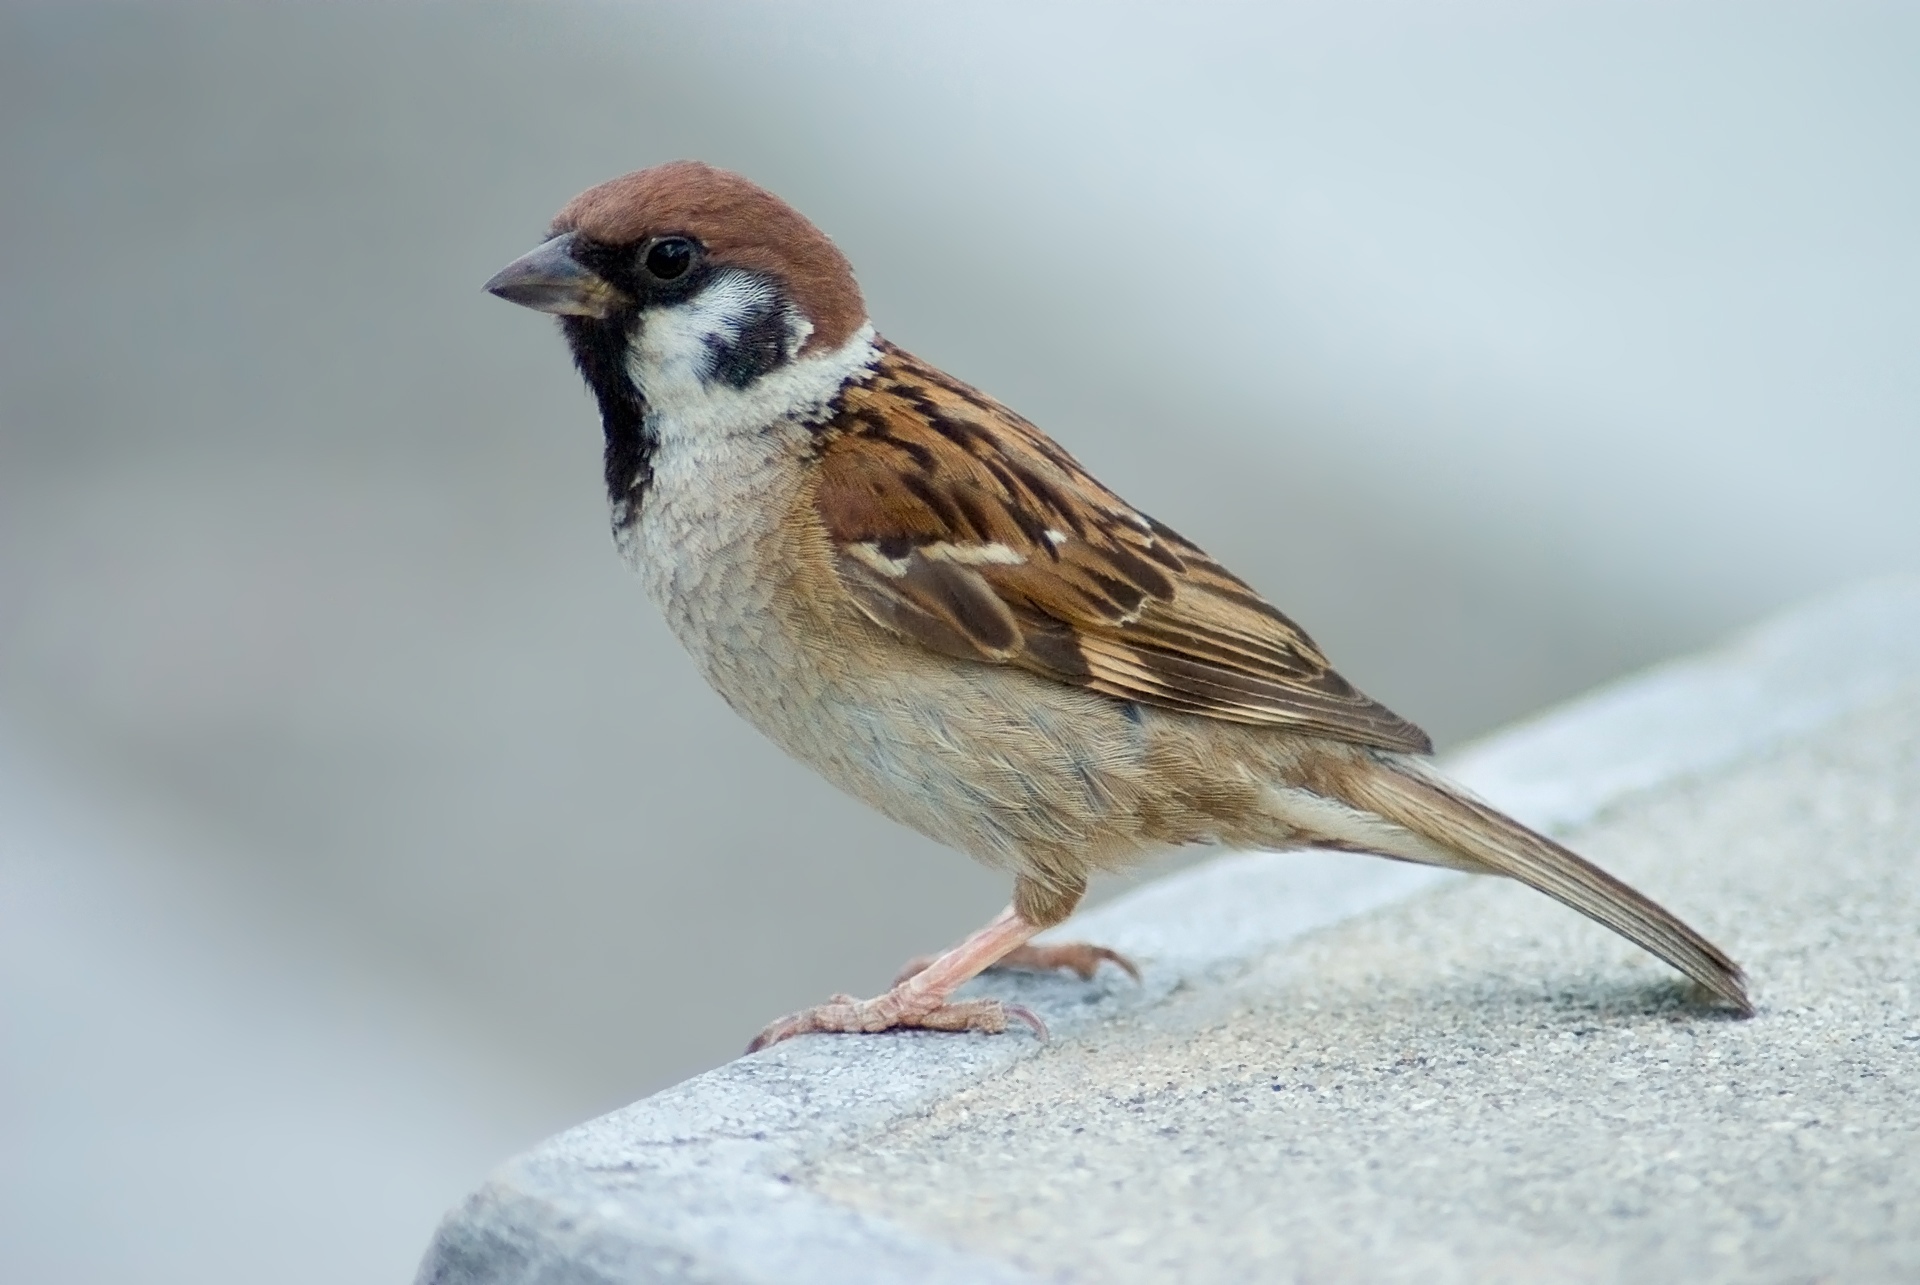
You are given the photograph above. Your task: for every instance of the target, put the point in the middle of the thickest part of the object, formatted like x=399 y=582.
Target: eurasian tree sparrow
x=917 y=593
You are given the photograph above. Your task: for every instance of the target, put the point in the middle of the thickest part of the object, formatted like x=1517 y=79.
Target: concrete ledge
x=832 y=1159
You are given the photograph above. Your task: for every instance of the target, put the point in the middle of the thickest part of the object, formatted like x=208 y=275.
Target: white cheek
x=670 y=362
x=675 y=345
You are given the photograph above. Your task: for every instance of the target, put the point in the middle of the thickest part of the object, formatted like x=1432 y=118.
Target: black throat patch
x=600 y=351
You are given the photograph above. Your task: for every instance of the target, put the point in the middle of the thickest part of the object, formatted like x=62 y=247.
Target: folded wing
x=958 y=524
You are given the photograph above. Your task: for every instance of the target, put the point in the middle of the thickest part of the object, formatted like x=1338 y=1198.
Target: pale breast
x=705 y=539
x=989 y=760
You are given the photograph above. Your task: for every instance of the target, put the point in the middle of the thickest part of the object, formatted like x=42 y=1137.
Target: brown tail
x=1410 y=795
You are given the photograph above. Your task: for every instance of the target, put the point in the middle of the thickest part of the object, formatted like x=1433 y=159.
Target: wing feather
x=958 y=524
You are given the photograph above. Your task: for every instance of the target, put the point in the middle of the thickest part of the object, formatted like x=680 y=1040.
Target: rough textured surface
x=1475 y=1085
x=1343 y=1068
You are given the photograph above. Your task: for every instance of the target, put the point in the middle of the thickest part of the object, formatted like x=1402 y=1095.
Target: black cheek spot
x=761 y=346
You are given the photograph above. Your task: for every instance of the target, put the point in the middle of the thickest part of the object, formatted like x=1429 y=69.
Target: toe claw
x=1125 y=965
x=1080 y=958
x=1030 y=1017
x=830 y=1016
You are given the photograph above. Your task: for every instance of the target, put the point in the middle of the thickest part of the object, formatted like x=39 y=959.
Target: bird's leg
x=1079 y=957
x=1044 y=902
x=921 y=1000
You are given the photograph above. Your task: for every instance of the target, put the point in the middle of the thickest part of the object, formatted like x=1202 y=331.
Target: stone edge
x=690 y=1185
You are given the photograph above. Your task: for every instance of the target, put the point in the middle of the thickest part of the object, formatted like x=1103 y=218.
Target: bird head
x=684 y=274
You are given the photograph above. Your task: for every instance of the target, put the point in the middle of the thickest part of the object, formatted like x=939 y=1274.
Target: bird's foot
x=1079 y=957
x=900 y=1008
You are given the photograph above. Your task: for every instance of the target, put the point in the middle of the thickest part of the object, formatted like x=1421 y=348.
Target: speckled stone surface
x=1345 y=1069
x=1476 y=1085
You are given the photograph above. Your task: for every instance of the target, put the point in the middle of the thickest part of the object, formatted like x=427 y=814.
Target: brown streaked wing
x=960 y=525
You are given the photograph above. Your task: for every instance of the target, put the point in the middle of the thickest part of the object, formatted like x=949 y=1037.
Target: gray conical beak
x=550 y=279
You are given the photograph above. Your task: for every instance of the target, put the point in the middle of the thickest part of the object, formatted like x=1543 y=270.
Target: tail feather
x=1411 y=796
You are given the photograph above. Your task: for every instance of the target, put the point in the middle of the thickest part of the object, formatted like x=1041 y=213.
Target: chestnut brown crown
x=737 y=224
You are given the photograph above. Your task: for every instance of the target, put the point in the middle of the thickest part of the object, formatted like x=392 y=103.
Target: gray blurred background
x=360 y=823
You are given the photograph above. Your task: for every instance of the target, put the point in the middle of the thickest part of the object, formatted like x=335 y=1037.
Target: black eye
x=669 y=258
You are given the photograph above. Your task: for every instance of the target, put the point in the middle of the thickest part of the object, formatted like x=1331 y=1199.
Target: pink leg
x=1083 y=959
x=920 y=1001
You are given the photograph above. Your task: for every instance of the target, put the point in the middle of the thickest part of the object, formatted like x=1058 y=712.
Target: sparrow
x=920 y=595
